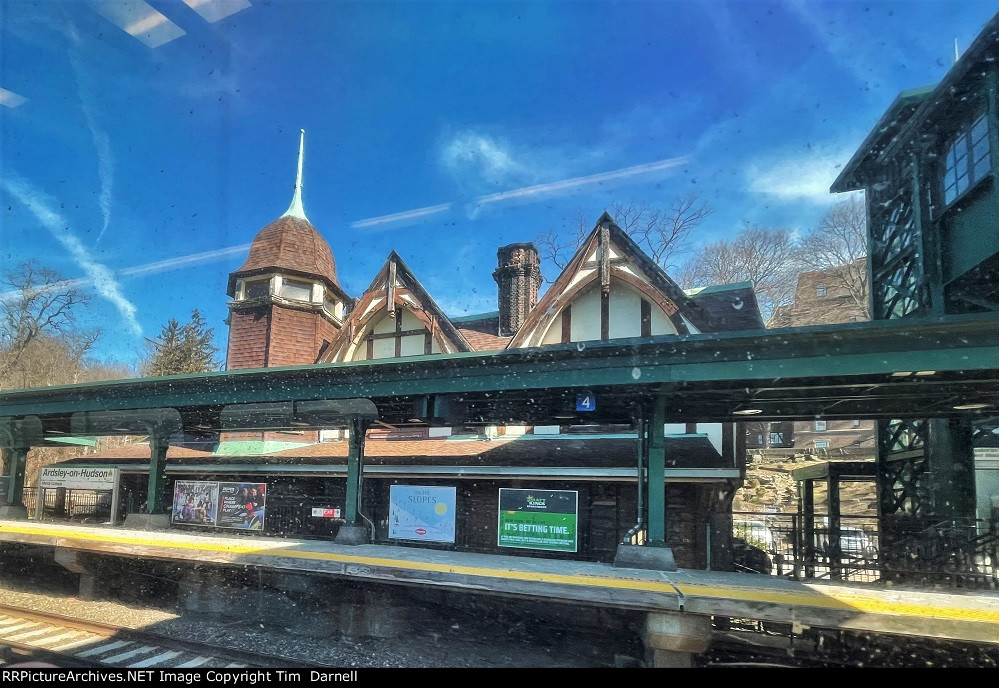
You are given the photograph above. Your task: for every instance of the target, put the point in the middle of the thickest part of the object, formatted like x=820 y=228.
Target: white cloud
x=102 y=277
x=476 y=157
x=798 y=176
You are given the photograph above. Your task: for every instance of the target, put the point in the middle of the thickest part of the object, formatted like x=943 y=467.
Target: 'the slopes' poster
x=538 y=519
x=419 y=512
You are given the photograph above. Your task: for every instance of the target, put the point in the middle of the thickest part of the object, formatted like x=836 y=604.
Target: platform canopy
x=932 y=367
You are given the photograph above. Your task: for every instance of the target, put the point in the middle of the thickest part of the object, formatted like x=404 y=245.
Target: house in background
x=821 y=297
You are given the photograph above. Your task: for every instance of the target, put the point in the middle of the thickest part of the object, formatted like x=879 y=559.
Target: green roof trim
x=254 y=447
x=474 y=316
x=888 y=123
x=716 y=288
x=77 y=441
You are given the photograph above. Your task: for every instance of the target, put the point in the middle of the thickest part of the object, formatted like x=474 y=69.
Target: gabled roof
x=915 y=108
x=481 y=332
x=395 y=283
x=663 y=290
x=730 y=307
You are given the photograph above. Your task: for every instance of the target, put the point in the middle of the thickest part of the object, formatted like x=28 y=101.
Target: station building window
x=820 y=290
x=256 y=289
x=295 y=289
x=820 y=426
x=966 y=160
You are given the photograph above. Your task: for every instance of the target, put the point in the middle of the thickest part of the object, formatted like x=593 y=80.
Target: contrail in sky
x=147 y=268
x=576 y=182
x=529 y=192
x=103 y=279
x=105 y=159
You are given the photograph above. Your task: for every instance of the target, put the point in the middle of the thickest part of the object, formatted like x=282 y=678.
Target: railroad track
x=52 y=638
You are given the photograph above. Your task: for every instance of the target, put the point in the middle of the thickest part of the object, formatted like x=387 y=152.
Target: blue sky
x=143 y=144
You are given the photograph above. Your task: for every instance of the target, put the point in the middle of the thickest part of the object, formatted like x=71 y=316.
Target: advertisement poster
x=195 y=503
x=242 y=505
x=538 y=519
x=422 y=513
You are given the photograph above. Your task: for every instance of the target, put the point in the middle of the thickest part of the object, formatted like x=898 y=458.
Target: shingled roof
x=289 y=245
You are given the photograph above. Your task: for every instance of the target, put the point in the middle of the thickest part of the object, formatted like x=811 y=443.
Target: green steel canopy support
x=657 y=474
x=19 y=435
x=155 y=497
x=951 y=459
x=15 y=488
x=158 y=424
x=355 y=465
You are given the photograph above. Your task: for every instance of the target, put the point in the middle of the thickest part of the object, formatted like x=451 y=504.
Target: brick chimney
x=519 y=278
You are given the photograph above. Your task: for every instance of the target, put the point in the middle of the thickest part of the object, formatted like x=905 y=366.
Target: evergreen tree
x=181 y=349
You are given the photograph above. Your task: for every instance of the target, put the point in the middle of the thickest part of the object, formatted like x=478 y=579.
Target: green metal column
x=355 y=465
x=18 y=462
x=657 y=475
x=951 y=459
x=835 y=550
x=155 y=502
x=808 y=525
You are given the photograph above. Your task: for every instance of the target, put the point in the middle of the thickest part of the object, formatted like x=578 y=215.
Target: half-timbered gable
x=395 y=317
x=610 y=290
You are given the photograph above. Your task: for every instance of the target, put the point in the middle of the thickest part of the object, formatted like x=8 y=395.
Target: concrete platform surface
x=967 y=616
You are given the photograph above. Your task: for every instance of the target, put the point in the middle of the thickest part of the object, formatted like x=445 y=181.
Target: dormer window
x=820 y=290
x=966 y=160
x=296 y=289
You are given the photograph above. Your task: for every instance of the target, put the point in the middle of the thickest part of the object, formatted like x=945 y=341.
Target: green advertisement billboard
x=538 y=519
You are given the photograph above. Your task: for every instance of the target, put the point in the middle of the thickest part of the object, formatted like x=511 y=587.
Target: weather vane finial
x=296 y=209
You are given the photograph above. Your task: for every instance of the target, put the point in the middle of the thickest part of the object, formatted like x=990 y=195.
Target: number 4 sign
x=586 y=402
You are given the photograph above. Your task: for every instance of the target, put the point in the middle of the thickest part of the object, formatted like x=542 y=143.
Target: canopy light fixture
x=747 y=412
x=970 y=407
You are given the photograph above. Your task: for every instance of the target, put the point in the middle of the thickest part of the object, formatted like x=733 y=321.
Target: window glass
x=257 y=288
x=294 y=289
x=966 y=160
x=820 y=426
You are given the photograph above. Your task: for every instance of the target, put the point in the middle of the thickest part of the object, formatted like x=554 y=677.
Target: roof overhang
x=909 y=368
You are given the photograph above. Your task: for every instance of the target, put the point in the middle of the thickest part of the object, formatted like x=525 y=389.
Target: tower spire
x=296 y=209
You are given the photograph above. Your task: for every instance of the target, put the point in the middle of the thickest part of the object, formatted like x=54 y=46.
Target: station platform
x=955 y=615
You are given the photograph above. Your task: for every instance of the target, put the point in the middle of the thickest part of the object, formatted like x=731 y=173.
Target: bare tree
x=767 y=258
x=37 y=303
x=559 y=245
x=662 y=231
x=839 y=245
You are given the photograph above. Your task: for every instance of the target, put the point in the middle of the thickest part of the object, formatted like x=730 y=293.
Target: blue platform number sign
x=586 y=402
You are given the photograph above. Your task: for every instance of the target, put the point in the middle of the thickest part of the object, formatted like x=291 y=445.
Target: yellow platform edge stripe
x=854 y=601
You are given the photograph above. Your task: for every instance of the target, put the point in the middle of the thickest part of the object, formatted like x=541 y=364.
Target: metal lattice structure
x=898 y=282
x=901 y=449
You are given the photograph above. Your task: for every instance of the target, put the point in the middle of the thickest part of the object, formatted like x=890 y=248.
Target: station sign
x=538 y=519
x=586 y=402
x=421 y=512
x=78 y=478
